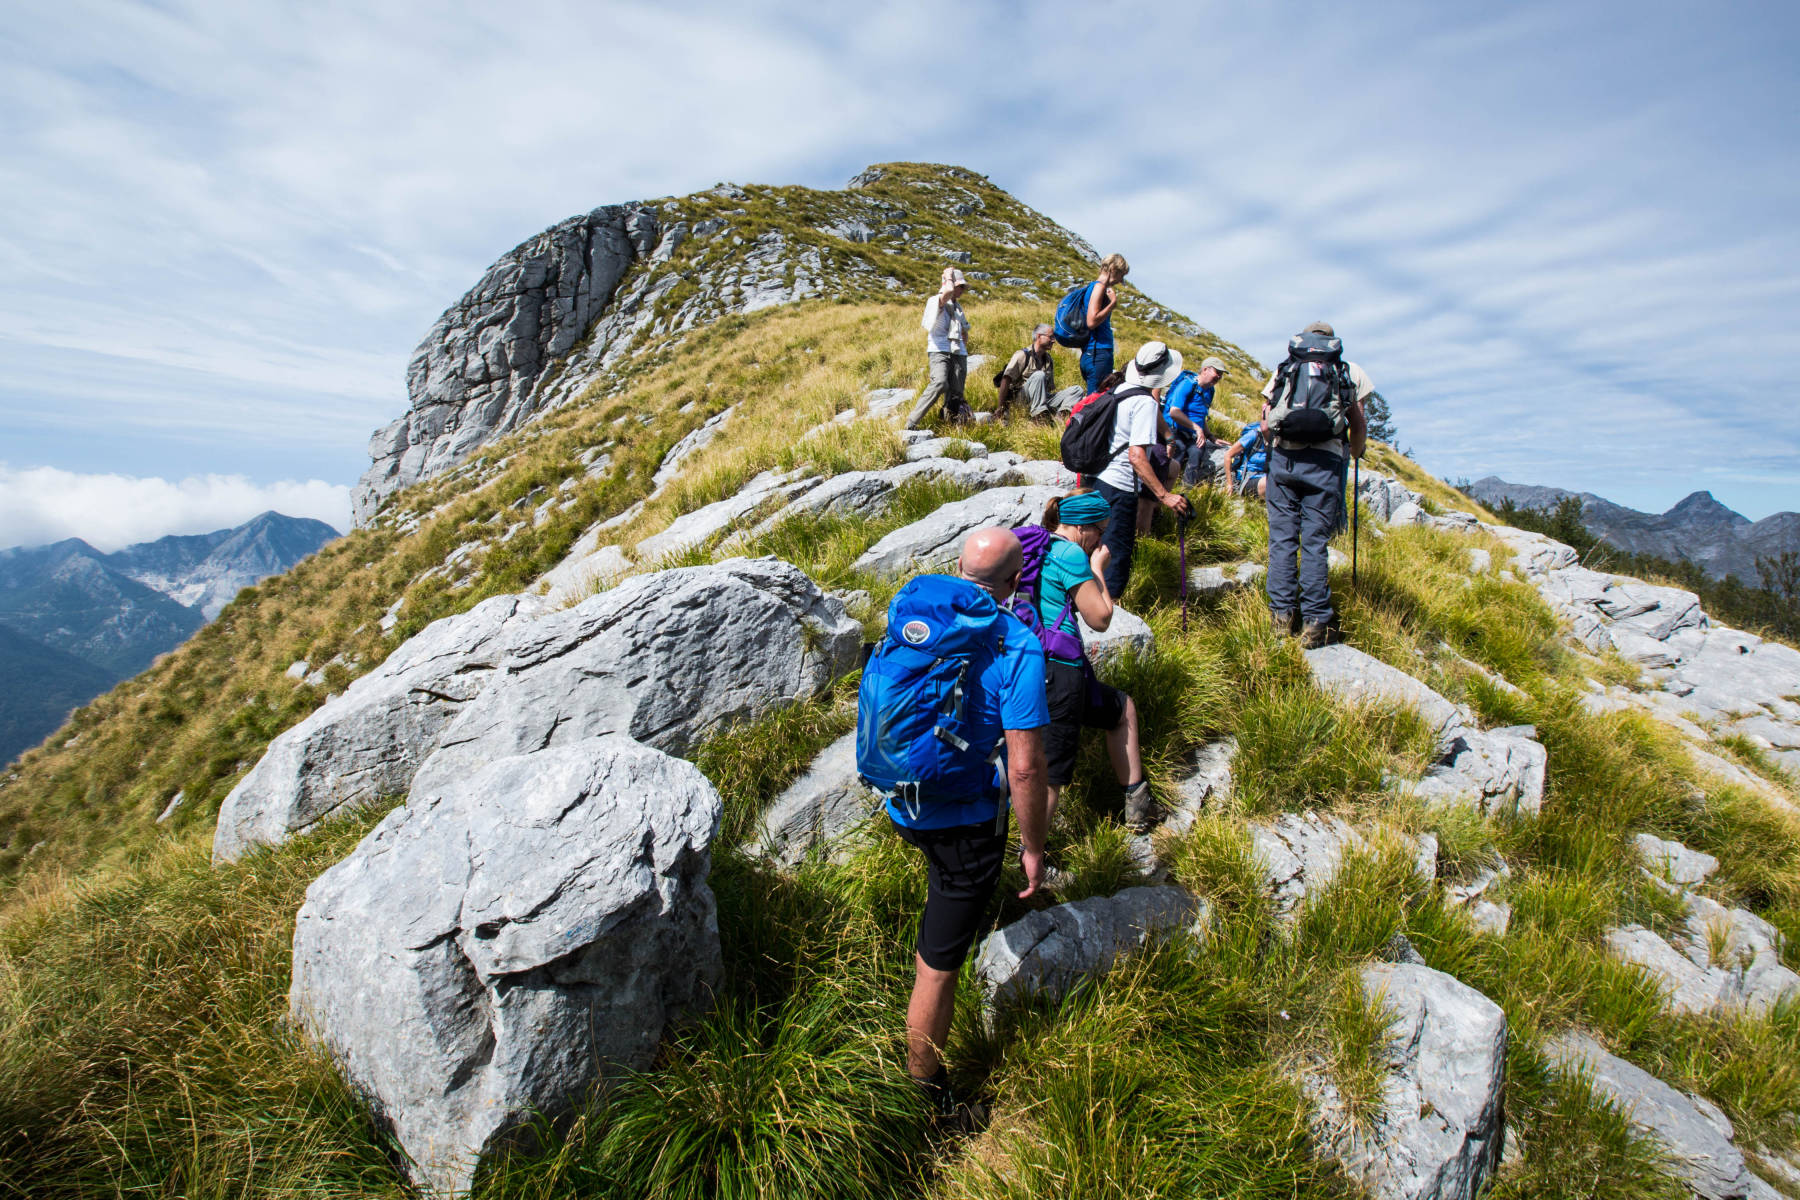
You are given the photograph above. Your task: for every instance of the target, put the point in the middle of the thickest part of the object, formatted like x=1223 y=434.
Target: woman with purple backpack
x=1072 y=580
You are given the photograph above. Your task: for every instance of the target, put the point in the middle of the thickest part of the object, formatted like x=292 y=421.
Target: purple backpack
x=1056 y=641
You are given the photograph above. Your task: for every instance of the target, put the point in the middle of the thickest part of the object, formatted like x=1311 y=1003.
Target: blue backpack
x=915 y=739
x=1070 y=327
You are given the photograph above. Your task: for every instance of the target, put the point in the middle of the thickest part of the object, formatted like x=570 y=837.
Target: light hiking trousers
x=1306 y=503
x=948 y=374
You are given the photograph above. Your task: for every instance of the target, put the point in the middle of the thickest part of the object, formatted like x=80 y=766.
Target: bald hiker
x=1313 y=417
x=950 y=728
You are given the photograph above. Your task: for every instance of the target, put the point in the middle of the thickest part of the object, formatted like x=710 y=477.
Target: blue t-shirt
x=1100 y=337
x=1256 y=462
x=1187 y=397
x=1005 y=691
x=1065 y=569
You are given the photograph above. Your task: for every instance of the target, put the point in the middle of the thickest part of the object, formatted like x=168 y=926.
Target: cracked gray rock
x=663 y=658
x=497 y=946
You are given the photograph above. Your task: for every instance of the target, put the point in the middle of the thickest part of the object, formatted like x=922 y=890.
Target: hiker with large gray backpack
x=949 y=727
x=1313 y=419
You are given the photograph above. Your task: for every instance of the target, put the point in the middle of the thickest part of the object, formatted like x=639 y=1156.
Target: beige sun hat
x=1155 y=365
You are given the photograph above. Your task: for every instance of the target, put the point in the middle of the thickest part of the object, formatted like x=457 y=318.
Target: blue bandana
x=1083 y=508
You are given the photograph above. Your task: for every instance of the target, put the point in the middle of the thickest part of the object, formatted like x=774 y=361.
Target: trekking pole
x=1181 y=540
x=1355 y=514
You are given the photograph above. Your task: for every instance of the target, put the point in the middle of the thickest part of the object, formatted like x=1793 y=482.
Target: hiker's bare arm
x=1100 y=303
x=1140 y=462
x=1094 y=605
x=1030 y=800
x=1181 y=421
x=1264 y=420
x=1359 y=429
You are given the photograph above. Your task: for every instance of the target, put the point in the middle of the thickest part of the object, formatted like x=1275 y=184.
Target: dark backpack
x=915 y=739
x=1070 y=326
x=1313 y=392
x=1087 y=438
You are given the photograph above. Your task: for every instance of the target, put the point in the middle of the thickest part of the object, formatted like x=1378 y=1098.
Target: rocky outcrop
x=1673 y=861
x=1718 y=960
x=1500 y=771
x=1226 y=578
x=1042 y=955
x=1441 y=1125
x=475 y=375
x=663 y=658
x=818 y=810
x=1302 y=852
x=497 y=945
x=1693 y=1132
x=933 y=543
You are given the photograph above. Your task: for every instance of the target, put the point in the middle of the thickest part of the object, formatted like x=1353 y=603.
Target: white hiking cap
x=1154 y=366
x=1217 y=364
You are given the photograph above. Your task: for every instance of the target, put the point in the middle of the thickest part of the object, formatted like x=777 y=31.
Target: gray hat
x=1217 y=364
x=1320 y=327
x=1155 y=365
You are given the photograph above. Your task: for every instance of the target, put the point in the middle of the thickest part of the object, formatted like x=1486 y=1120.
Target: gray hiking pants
x=1042 y=404
x=948 y=373
x=1306 y=503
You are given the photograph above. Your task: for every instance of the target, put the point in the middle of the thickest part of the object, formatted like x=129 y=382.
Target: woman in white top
x=947 y=348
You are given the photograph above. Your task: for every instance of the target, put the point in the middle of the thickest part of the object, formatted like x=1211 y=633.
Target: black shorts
x=962 y=865
x=1077 y=702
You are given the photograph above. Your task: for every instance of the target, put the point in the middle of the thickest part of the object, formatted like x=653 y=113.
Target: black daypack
x=1087 y=438
x=1313 y=392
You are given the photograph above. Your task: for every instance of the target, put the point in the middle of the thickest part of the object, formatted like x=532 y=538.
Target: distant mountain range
x=1700 y=529
x=75 y=621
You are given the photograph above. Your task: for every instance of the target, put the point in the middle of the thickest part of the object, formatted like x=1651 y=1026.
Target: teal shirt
x=1065 y=569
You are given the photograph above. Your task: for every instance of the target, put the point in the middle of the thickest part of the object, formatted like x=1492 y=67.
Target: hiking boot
x=950 y=1112
x=1139 y=807
x=1315 y=635
x=1285 y=624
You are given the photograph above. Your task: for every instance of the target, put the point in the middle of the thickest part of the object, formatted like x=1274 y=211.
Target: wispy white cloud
x=44 y=504
x=1562 y=238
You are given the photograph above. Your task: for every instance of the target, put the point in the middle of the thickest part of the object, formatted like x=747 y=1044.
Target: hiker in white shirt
x=947 y=348
x=1151 y=371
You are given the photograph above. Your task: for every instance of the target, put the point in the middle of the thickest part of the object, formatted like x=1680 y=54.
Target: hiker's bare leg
x=1122 y=746
x=928 y=1018
x=1055 y=794
x=1146 y=510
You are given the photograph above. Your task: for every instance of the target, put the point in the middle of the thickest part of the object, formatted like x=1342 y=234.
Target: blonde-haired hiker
x=947 y=349
x=1072 y=583
x=1097 y=355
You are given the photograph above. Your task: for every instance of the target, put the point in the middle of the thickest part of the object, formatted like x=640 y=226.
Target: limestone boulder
x=495 y=948
x=1045 y=953
x=366 y=744
x=695 y=528
x=1302 y=852
x=1441 y=1127
x=1533 y=553
x=1124 y=633
x=663 y=658
x=1358 y=678
x=1697 y=1139
x=692 y=443
x=933 y=542
x=1381 y=494
x=1225 y=578
x=1500 y=771
x=1674 y=861
x=1718 y=960
x=818 y=810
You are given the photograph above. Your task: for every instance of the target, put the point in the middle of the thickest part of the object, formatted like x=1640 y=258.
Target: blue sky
x=1562 y=238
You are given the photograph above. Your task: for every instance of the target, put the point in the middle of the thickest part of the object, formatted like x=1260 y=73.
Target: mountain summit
x=1698 y=529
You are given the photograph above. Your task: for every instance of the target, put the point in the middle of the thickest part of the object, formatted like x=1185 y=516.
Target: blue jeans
x=1096 y=364
x=1121 y=534
x=1306 y=505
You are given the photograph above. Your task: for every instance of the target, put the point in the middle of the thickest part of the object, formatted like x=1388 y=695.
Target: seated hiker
x=1129 y=469
x=1247 y=463
x=1072 y=581
x=1031 y=373
x=953 y=762
x=1189 y=401
x=946 y=351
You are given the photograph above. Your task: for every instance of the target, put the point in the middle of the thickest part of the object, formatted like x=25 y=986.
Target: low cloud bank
x=47 y=504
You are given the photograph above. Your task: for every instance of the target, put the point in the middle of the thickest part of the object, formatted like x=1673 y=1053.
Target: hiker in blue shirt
x=1252 y=474
x=1185 y=409
x=1103 y=294
x=963 y=836
x=1072 y=582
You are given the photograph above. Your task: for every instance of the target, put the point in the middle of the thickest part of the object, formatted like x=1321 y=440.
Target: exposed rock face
x=695 y=441
x=1125 y=632
x=932 y=543
x=1441 y=1128
x=1359 y=678
x=475 y=374
x=1301 y=852
x=662 y=658
x=1674 y=861
x=494 y=948
x=1697 y=1139
x=1045 y=953
x=1226 y=578
x=1720 y=959
x=817 y=810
